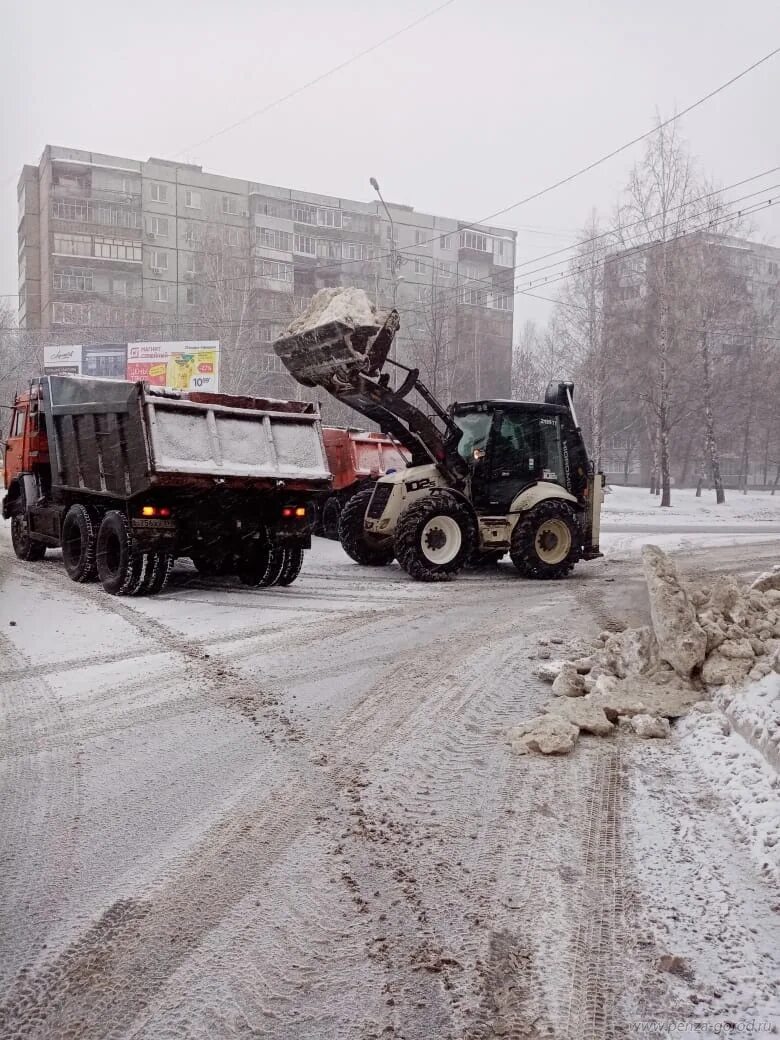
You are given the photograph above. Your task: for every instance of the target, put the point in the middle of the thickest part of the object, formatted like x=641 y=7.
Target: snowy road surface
x=292 y=814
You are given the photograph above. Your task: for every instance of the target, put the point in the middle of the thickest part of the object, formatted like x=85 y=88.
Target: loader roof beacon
x=485 y=477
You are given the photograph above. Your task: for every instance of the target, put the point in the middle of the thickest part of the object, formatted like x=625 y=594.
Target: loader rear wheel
x=363 y=548
x=121 y=567
x=293 y=561
x=158 y=569
x=546 y=541
x=79 y=543
x=434 y=537
x=24 y=547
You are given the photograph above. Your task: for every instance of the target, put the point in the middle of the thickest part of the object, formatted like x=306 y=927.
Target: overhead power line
x=317 y=79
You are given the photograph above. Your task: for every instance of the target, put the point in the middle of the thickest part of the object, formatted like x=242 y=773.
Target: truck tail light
x=165 y=511
x=300 y=511
x=290 y=511
x=148 y=511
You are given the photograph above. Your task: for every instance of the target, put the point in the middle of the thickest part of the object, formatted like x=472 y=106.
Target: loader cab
x=511 y=445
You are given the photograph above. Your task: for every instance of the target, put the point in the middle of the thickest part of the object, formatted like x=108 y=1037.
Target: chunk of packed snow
x=681 y=639
x=650 y=726
x=348 y=305
x=584 y=714
x=568 y=682
x=548 y=734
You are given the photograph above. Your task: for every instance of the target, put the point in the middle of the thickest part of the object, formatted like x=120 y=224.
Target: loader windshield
x=476 y=430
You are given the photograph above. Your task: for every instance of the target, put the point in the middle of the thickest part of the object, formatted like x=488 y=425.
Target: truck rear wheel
x=121 y=568
x=293 y=561
x=262 y=566
x=331 y=513
x=24 y=547
x=363 y=548
x=546 y=541
x=434 y=537
x=158 y=569
x=79 y=543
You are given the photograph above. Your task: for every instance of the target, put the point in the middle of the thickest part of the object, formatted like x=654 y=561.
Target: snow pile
x=718 y=635
x=347 y=305
x=735 y=743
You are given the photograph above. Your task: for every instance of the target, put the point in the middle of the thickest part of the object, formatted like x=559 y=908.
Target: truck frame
x=125 y=477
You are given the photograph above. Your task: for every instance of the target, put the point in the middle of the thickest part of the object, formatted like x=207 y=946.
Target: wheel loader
x=485 y=477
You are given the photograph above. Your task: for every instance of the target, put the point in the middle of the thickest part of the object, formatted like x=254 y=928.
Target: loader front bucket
x=332 y=355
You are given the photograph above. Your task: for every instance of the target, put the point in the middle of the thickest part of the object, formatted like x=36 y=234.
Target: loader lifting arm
x=348 y=364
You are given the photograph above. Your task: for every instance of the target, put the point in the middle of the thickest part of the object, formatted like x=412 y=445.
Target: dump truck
x=486 y=477
x=357 y=458
x=125 y=477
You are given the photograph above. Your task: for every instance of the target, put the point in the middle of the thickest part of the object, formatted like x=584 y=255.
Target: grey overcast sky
x=485 y=102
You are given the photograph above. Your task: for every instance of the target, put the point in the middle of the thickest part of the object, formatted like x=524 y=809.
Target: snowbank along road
x=229 y=812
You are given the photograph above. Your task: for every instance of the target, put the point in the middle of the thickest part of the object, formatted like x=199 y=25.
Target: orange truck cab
x=26 y=472
x=357 y=458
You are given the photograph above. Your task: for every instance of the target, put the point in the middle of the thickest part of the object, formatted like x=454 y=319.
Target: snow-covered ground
x=632 y=505
x=293 y=813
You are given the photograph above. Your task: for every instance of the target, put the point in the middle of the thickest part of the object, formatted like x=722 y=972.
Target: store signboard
x=62 y=360
x=190 y=365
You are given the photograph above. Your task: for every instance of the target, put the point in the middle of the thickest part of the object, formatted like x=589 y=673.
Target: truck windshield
x=476 y=430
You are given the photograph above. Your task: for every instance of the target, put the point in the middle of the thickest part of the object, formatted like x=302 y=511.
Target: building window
x=304 y=244
x=328 y=217
x=445 y=241
x=328 y=249
x=474 y=297
x=190 y=265
x=118 y=286
x=275 y=269
x=419 y=266
x=70 y=313
x=419 y=238
x=273 y=239
x=89 y=211
x=159 y=192
x=446 y=268
x=472 y=273
x=117 y=249
x=504 y=248
x=158 y=261
x=193 y=233
x=158 y=227
x=190 y=294
x=73 y=245
x=160 y=294
x=233 y=236
x=352 y=250
x=73 y=279
x=475 y=240
x=192 y=199
x=501 y=301
x=303 y=214
x=230 y=205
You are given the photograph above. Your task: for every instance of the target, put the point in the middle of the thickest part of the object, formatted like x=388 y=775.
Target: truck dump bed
x=120 y=438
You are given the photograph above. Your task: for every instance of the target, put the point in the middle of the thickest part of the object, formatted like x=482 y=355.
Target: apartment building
x=110 y=246
x=745 y=279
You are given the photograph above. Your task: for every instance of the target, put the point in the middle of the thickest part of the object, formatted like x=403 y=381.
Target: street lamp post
x=396 y=260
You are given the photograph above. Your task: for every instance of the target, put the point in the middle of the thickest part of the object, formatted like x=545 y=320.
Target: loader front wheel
x=434 y=538
x=363 y=548
x=546 y=542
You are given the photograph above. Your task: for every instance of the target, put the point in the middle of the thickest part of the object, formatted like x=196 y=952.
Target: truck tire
x=546 y=541
x=121 y=568
x=434 y=537
x=293 y=561
x=261 y=567
x=158 y=569
x=362 y=548
x=331 y=513
x=79 y=543
x=24 y=547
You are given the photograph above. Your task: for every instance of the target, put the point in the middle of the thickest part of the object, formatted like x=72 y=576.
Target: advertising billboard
x=182 y=366
x=62 y=360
